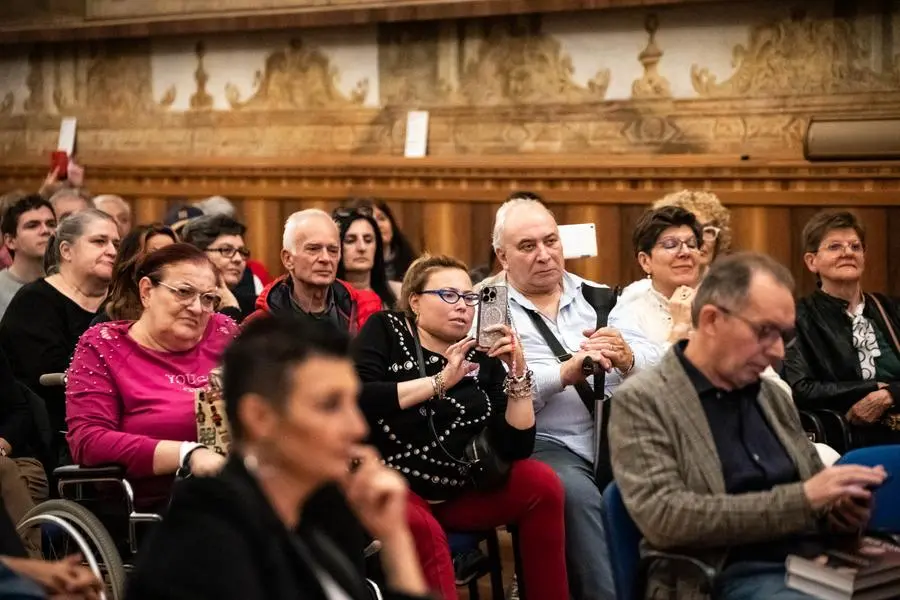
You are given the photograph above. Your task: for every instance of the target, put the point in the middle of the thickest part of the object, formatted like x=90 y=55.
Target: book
x=867 y=569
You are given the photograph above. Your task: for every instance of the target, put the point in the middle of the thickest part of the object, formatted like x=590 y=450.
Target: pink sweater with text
x=123 y=398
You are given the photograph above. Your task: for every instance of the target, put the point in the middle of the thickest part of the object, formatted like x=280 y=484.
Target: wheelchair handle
x=52 y=379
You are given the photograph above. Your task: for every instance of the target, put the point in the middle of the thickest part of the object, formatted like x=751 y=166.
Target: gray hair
x=294 y=221
x=511 y=204
x=71 y=192
x=70 y=230
x=102 y=199
x=217 y=205
x=727 y=283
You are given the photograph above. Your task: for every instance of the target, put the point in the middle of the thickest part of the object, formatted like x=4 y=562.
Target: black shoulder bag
x=602 y=300
x=480 y=462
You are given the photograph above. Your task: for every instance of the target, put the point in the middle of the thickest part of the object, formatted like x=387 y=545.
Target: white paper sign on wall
x=67 y=135
x=578 y=241
x=416 y=134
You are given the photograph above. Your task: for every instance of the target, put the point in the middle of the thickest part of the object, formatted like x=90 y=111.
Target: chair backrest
x=886 y=504
x=622 y=540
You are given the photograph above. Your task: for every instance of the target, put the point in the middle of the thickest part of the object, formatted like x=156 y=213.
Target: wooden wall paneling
x=482 y=232
x=448 y=229
x=893 y=252
x=761 y=229
x=806 y=281
x=875 y=221
x=148 y=210
x=409 y=215
x=606 y=267
x=631 y=270
x=264 y=228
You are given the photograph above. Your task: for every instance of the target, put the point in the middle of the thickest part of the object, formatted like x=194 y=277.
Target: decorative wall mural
x=799 y=56
x=499 y=85
x=298 y=77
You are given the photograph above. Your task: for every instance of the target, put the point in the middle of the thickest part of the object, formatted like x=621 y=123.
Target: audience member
x=427 y=392
x=24 y=446
x=526 y=239
x=178 y=216
x=222 y=238
x=715 y=224
x=712 y=461
x=7 y=200
x=68 y=201
x=118 y=209
x=219 y=205
x=290 y=396
x=131 y=385
x=847 y=356
x=311 y=250
x=362 y=257
x=398 y=252
x=45 y=319
x=26 y=225
x=124 y=300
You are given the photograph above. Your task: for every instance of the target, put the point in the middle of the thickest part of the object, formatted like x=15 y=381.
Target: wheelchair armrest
x=707 y=573
x=71 y=473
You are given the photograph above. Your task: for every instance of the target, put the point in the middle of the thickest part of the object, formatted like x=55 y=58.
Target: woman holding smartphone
x=427 y=393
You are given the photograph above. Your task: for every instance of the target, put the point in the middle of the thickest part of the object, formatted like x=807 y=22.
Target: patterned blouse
x=385 y=355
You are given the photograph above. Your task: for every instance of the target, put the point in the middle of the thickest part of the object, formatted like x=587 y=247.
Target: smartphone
x=59 y=160
x=493 y=309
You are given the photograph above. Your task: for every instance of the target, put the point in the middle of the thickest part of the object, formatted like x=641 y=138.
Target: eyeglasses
x=711 y=233
x=839 y=247
x=186 y=296
x=673 y=245
x=766 y=333
x=229 y=251
x=451 y=296
x=358 y=211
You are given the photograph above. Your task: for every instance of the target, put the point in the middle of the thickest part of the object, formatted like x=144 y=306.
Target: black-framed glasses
x=674 y=245
x=451 y=296
x=186 y=295
x=229 y=251
x=766 y=333
x=345 y=212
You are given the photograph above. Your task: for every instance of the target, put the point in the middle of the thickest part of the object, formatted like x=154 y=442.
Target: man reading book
x=712 y=461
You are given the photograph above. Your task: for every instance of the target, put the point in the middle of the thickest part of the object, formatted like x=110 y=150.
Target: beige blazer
x=666 y=465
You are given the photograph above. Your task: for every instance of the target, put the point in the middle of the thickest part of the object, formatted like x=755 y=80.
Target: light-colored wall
x=729 y=79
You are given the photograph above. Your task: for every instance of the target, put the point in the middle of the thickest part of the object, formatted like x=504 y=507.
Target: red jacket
x=355 y=305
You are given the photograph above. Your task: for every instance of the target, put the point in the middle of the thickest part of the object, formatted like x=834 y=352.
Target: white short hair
x=102 y=199
x=503 y=213
x=294 y=221
x=217 y=205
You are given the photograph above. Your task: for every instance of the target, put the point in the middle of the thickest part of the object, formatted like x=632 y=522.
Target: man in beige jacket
x=712 y=461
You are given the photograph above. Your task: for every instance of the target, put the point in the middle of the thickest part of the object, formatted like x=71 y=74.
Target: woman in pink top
x=131 y=385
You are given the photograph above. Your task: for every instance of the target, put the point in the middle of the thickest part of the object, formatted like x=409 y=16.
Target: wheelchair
x=89 y=517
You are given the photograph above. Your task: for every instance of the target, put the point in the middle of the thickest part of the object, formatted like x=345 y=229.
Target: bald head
x=311 y=248
x=68 y=201
x=117 y=208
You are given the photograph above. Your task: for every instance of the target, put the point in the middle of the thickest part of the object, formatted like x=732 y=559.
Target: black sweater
x=38 y=333
x=385 y=355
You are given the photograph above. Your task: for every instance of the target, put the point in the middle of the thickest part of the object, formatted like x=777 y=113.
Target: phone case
x=493 y=309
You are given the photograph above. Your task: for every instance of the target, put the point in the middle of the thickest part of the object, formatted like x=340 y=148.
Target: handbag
x=890 y=420
x=480 y=462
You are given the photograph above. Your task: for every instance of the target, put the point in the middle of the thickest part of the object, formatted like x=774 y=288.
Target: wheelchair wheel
x=89 y=537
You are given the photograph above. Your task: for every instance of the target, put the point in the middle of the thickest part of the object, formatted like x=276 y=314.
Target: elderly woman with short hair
x=847 y=356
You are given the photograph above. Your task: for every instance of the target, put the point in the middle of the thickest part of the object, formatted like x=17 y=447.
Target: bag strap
x=887 y=322
x=429 y=410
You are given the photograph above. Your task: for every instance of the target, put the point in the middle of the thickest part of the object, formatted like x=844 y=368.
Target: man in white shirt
x=27 y=226
x=526 y=240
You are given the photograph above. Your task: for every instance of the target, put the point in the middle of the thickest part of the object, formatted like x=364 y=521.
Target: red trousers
x=532 y=500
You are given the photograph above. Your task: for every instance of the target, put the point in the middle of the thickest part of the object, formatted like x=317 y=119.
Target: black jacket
x=221 y=540
x=822 y=367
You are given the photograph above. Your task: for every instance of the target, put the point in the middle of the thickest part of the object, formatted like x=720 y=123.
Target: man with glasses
x=311 y=251
x=222 y=238
x=711 y=459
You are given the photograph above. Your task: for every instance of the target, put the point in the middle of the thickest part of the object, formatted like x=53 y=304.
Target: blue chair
x=886 y=504
x=623 y=540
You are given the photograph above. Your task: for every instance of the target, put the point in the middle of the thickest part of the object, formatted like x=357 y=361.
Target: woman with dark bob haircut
x=362 y=255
